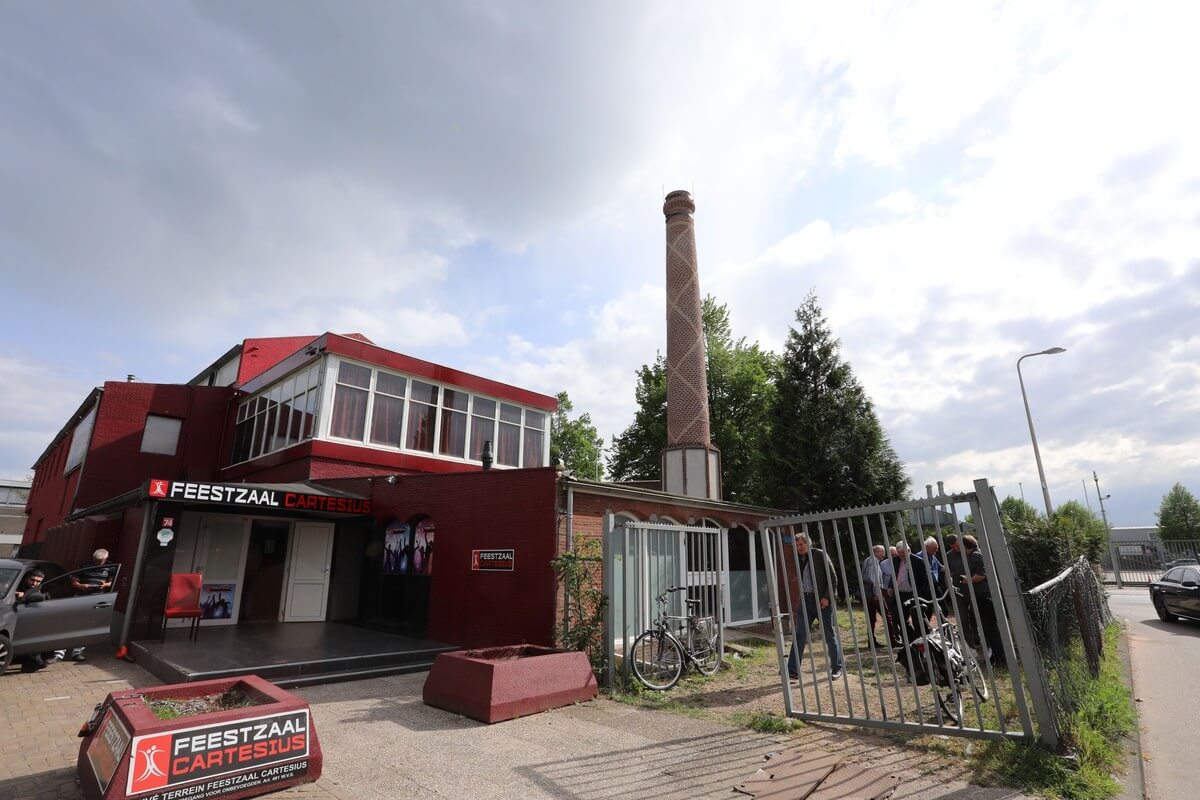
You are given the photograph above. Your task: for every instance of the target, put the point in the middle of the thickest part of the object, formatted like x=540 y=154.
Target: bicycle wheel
x=952 y=704
x=657 y=660
x=973 y=674
x=707 y=643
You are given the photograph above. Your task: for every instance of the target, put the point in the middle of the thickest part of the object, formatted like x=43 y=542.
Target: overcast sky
x=481 y=185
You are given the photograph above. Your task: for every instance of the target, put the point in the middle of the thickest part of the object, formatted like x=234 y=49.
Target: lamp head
x=1053 y=351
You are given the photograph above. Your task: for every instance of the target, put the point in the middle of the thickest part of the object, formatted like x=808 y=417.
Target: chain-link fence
x=1068 y=616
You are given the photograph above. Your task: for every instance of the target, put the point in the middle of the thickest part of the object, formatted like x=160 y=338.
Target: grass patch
x=637 y=695
x=1095 y=731
x=764 y=721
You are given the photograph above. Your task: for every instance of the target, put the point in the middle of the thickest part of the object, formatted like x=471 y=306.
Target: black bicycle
x=954 y=665
x=661 y=653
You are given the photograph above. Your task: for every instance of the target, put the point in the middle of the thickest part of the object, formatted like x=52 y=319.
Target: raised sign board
x=107 y=748
x=493 y=560
x=253 y=497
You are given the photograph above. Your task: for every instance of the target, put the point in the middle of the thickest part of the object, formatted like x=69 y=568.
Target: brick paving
x=41 y=713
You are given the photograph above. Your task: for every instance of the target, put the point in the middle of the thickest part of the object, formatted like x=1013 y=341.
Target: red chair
x=183 y=602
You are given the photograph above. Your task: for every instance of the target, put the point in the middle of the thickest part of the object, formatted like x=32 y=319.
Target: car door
x=65 y=618
x=1189 y=596
x=1168 y=586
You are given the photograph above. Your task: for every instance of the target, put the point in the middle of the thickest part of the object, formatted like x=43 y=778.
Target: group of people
x=93 y=577
x=891 y=577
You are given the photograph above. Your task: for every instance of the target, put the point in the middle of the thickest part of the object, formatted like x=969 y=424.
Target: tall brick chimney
x=690 y=464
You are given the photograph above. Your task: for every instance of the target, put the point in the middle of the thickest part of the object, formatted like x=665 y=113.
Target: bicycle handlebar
x=662 y=598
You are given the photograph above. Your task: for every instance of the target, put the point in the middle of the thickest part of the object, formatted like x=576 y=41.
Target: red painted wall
x=481 y=510
x=259 y=355
x=51 y=494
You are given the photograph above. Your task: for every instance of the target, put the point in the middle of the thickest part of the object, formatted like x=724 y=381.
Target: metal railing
x=1143 y=561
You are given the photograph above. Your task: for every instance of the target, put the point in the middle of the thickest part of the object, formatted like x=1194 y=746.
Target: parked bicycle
x=954 y=664
x=661 y=653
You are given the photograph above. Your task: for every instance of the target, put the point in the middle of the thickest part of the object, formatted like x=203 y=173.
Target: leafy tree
x=1014 y=510
x=1179 y=515
x=828 y=449
x=575 y=442
x=1084 y=530
x=740 y=395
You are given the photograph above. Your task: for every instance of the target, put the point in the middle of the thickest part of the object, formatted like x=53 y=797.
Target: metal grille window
x=422 y=416
x=483 y=426
x=387 y=414
x=453 y=438
x=508 y=444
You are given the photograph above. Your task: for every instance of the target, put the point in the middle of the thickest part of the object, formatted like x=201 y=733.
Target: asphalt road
x=1166 y=657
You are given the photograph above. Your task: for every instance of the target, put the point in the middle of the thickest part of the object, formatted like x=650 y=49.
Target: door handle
x=102 y=605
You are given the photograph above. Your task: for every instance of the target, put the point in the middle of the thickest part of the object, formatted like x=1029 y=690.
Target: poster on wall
x=422 y=553
x=216 y=600
x=396 y=540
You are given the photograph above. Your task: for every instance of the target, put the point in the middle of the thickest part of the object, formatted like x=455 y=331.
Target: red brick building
x=324 y=478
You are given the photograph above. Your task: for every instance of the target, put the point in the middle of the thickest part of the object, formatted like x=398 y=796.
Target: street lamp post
x=1037 y=456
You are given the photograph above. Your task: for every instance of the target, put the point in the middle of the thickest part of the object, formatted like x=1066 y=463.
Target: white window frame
x=277 y=387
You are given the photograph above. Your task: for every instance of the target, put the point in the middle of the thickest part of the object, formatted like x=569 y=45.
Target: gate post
x=1114 y=558
x=1014 y=604
x=606 y=583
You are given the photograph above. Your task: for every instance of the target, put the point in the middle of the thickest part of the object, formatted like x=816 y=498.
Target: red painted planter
x=499 y=683
x=240 y=752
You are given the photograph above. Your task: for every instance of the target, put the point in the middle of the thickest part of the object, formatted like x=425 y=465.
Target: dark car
x=57 y=617
x=1177 y=594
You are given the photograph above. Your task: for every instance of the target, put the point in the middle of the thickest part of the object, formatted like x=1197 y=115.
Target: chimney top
x=679 y=202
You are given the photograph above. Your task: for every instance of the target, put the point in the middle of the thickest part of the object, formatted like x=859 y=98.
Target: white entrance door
x=220 y=555
x=308 y=572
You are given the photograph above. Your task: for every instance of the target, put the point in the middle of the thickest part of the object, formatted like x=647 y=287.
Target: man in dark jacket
x=912 y=580
x=818 y=593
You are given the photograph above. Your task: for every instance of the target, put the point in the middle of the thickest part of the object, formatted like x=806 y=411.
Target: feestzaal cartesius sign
x=209 y=752
x=253 y=497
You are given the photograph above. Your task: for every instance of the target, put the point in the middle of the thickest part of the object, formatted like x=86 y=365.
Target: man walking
x=818 y=592
x=873 y=584
x=976 y=579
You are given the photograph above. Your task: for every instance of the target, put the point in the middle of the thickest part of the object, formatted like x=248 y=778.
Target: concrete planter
x=499 y=683
x=267 y=745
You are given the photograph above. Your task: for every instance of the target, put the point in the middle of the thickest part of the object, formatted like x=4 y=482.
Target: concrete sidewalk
x=380 y=741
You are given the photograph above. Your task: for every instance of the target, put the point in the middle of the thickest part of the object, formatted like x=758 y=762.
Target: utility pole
x=1102 y=497
x=1087 y=497
x=1022 y=488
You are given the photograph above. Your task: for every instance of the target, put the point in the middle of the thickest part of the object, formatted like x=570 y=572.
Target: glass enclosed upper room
x=337 y=399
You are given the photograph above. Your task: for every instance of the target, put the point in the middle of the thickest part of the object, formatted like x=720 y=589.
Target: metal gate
x=644 y=559
x=1143 y=561
x=898 y=673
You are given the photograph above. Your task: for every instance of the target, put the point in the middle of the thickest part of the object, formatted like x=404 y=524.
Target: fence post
x=1114 y=557
x=1014 y=604
x=608 y=564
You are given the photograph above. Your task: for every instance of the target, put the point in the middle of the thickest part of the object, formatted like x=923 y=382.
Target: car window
x=7 y=576
x=88 y=580
x=1191 y=575
x=1172 y=575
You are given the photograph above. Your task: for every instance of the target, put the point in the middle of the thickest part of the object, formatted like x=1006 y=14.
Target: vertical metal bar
x=904 y=638
x=866 y=610
x=825 y=632
x=883 y=531
x=954 y=608
x=800 y=617
x=850 y=613
x=777 y=620
x=1013 y=604
x=808 y=644
x=607 y=577
x=919 y=610
x=625 y=596
x=1114 y=559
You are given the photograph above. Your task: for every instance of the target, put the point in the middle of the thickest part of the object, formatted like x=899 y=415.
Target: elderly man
x=818 y=592
x=912 y=581
x=876 y=575
x=92 y=577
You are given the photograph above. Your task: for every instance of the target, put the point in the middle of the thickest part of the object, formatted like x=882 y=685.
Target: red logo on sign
x=474 y=559
x=158 y=488
x=149 y=762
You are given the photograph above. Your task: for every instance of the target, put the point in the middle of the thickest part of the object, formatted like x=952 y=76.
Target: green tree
x=1084 y=530
x=740 y=396
x=828 y=449
x=575 y=442
x=1014 y=510
x=1179 y=515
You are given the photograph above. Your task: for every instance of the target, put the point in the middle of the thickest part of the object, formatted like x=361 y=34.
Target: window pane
x=297 y=427
x=79 y=441
x=420 y=427
x=285 y=422
x=310 y=412
x=354 y=375
x=484 y=407
x=386 y=417
x=161 y=435
x=454 y=433
x=241 y=440
x=533 y=448
x=349 y=413
x=483 y=429
x=535 y=419
x=424 y=392
x=508 y=447
x=390 y=384
x=455 y=400
x=242 y=411
x=510 y=413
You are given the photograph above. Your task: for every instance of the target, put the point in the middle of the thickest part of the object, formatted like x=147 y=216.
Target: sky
x=481 y=185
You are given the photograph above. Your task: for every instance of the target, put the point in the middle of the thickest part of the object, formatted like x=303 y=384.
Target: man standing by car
x=32 y=582
x=93 y=577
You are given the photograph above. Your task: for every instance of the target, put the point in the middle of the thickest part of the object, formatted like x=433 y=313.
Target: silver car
x=54 y=618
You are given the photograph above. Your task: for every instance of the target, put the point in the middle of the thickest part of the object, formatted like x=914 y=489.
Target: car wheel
x=1161 y=608
x=6 y=655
